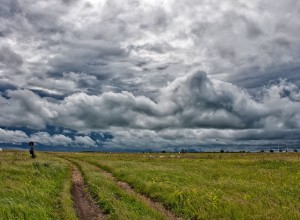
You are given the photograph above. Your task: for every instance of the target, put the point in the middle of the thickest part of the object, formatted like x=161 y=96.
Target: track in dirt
x=84 y=205
x=155 y=205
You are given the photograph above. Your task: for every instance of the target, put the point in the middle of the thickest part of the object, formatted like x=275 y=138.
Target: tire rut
x=150 y=202
x=84 y=205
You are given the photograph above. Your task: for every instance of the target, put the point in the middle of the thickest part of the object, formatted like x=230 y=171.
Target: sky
x=149 y=75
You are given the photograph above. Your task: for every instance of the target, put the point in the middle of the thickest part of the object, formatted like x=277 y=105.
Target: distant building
x=0 y=149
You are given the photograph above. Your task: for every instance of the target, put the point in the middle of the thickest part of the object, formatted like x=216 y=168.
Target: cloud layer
x=163 y=72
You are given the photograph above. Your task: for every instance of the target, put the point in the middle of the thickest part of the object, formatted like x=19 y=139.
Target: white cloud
x=44 y=138
x=15 y=137
x=51 y=140
x=84 y=141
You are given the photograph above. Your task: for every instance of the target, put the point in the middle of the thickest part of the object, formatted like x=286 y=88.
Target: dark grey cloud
x=6 y=86
x=10 y=62
x=9 y=8
x=9 y=58
x=256 y=78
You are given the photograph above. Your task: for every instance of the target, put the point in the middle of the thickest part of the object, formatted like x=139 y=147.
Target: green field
x=34 y=189
x=191 y=186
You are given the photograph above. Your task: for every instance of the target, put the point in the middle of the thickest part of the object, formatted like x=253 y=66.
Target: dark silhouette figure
x=31 y=149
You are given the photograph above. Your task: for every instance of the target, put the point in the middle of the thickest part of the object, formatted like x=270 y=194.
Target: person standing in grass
x=31 y=149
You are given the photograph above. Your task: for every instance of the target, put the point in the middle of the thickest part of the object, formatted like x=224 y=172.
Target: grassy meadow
x=192 y=186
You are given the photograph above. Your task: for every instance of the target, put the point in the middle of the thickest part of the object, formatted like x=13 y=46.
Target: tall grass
x=32 y=188
x=212 y=186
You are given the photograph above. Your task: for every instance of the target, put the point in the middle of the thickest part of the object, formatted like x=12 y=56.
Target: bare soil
x=84 y=204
